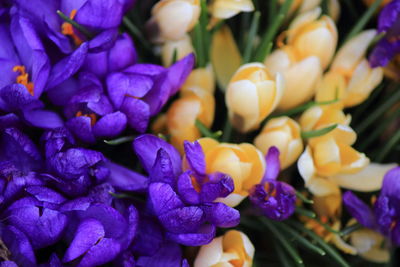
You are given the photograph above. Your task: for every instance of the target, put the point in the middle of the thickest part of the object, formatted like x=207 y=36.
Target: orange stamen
x=92 y=116
x=67 y=29
x=23 y=78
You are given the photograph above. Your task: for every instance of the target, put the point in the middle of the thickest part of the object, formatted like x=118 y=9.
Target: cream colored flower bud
x=302 y=6
x=202 y=78
x=313 y=36
x=183 y=47
x=301 y=76
x=225 y=9
x=283 y=133
x=252 y=94
x=172 y=19
x=232 y=249
x=350 y=77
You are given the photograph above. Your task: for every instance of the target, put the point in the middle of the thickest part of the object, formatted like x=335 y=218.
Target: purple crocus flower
x=141 y=90
x=385 y=215
x=72 y=169
x=183 y=202
x=275 y=199
x=90 y=113
x=389 y=46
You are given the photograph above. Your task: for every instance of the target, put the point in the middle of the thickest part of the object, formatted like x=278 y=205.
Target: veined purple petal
x=220 y=185
x=182 y=220
x=126 y=180
x=179 y=71
x=388 y=16
x=104 y=251
x=19 y=246
x=221 y=215
x=145 y=69
x=81 y=128
x=195 y=157
x=16 y=97
x=146 y=148
x=186 y=189
x=110 y=125
x=89 y=232
x=149 y=238
x=162 y=169
x=273 y=164
x=103 y=41
x=44 y=119
x=137 y=113
x=391 y=184
x=359 y=210
x=204 y=236
x=163 y=198
x=45 y=194
x=103 y=14
x=169 y=255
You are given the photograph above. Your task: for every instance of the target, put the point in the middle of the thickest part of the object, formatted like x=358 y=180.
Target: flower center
x=23 y=78
x=92 y=116
x=67 y=29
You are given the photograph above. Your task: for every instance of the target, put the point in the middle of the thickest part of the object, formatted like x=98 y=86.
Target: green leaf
x=350 y=229
x=362 y=22
x=120 y=140
x=303 y=198
x=283 y=241
x=390 y=144
x=307 y=213
x=250 y=40
x=328 y=249
x=79 y=27
x=136 y=33
x=198 y=46
x=206 y=132
x=319 y=132
x=271 y=31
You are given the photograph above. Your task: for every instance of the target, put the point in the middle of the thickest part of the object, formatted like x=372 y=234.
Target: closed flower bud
x=202 y=78
x=307 y=5
x=172 y=19
x=301 y=76
x=284 y=133
x=252 y=95
x=243 y=162
x=181 y=116
x=225 y=9
x=351 y=78
x=234 y=248
x=313 y=36
x=183 y=47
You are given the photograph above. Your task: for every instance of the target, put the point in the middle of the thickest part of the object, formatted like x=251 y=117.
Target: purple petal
x=221 y=215
x=388 y=16
x=111 y=125
x=159 y=94
x=9 y=120
x=204 y=236
x=195 y=157
x=68 y=66
x=163 y=198
x=44 y=119
x=103 y=41
x=179 y=71
x=220 y=185
x=61 y=94
x=169 y=255
x=123 y=54
x=137 y=113
x=104 y=14
x=102 y=106
x=104 y=251
x=186 y=189
x=16 y=97
x=126 y=180
x=146 y=148
x=182 y=220
x=273 y=164
x=359 y=210
x=45 y=194
x=89 y=232
x=81 y=128
x=146 y=69
x=162 y=170
x=148 y=240
x=391 y=184
x=19 y=246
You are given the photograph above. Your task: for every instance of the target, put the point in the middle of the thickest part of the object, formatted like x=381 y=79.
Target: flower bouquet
x=199 y=133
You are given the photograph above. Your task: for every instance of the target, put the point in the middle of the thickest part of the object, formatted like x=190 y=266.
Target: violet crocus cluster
x=389 y=26
x=385 y=214
x=275 y=199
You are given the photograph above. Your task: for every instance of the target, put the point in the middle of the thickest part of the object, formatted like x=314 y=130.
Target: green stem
x=136 y=33
x=307 y=213
x=272 y=11
x=227 y=132
x=250 y=41
x=350 y=229
x=79 y=27
x=282 y=257
x=328 y=249
x=120 y=140
x=303 y=198
x=388 y=146
x=378 y=112
x=198 y=42
x=205 y=33
x=283 y=241
x=319 y=132
x=362 y=22
x=205 y=131
x=272 y=30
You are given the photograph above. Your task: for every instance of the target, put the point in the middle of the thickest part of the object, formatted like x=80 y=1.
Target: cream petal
x=232 y=200
x=368 y=244
x=209 y=254
x=368 y=179
x=321 y=187
x=306 y=166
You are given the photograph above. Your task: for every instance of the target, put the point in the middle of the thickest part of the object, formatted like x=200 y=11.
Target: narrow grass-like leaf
x=350 y=229
x=198 y=46
x=205 y=131
x=390 y=144
x=319 y=132
x=120 y=140
x=326 y=247
x=301 y=239
x=79 y=27
x=284 y=259
x=136 y=33
x=282 y=240
x=303 y=198
x=250 y=40
x=307 y=213
x=362 y=22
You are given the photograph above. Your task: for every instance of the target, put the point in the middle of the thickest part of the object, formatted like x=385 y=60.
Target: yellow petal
x=225 y=56
x=209 y=254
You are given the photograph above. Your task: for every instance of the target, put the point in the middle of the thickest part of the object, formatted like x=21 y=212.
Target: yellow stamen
x=67 y=29
x=23 y=78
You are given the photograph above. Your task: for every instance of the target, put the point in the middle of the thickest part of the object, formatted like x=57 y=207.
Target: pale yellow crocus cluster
x=302 y=6
x=225 y=9
x=169 y=25
x=350 y=78
x=311 y=44
x=233 y=249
